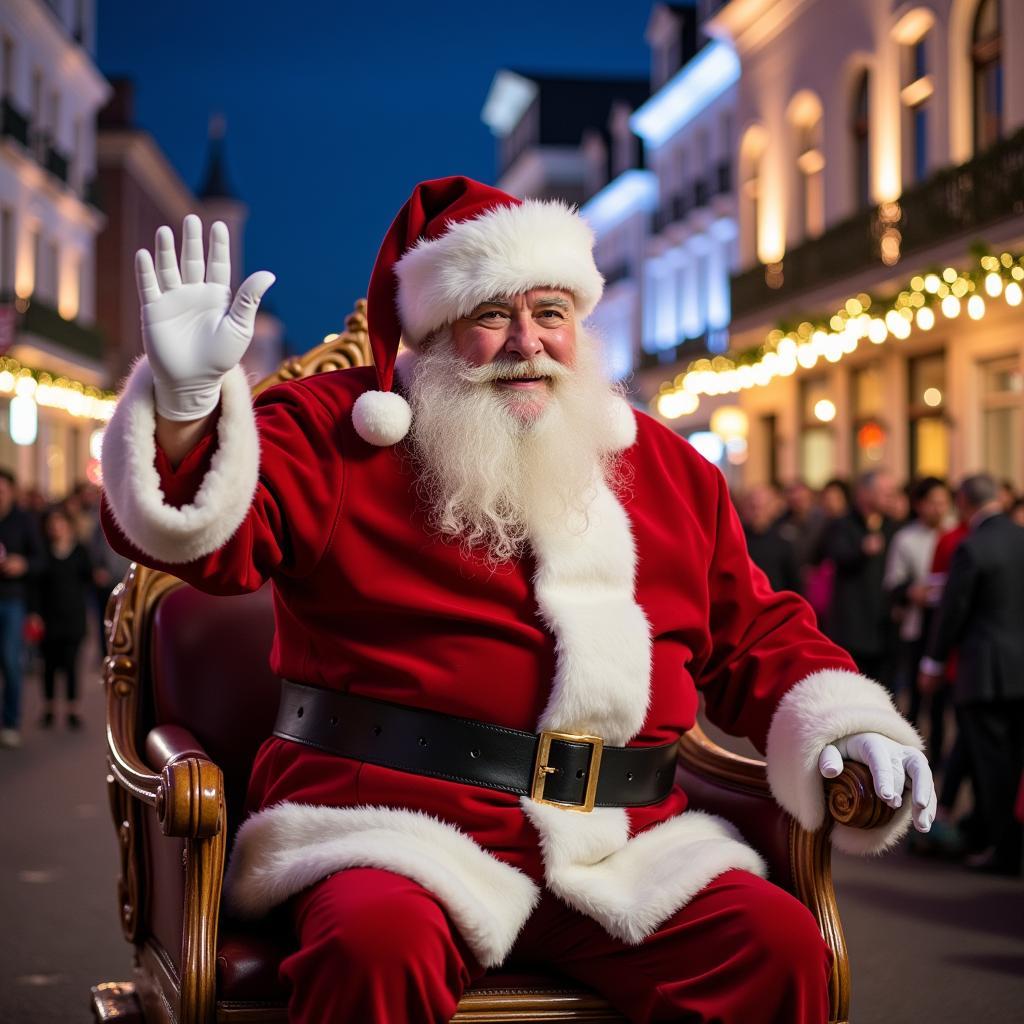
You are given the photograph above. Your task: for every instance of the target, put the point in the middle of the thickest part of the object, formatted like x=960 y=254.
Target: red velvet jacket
x=369 y=601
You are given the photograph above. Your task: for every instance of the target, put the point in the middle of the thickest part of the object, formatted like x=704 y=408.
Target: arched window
x=915 y=34
x=859 y=131
x=751 y=151
x=805 y=115
x=987 y=64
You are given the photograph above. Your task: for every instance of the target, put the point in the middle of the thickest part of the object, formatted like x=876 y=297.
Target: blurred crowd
x=924 y=586
x=56 y=573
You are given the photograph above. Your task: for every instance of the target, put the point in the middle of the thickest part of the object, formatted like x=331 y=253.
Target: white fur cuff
x=132 y=484
x=823 y=708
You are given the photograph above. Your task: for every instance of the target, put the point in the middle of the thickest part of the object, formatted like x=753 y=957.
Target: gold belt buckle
x=541 y=769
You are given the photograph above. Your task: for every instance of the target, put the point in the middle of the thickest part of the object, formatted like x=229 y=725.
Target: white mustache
x=508 y=369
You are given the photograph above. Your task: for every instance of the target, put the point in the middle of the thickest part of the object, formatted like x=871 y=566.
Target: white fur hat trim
x=381 y=418
x=506 y=251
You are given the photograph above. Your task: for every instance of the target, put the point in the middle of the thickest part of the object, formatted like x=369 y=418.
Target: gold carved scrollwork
x=342 y=352
x=124 y=811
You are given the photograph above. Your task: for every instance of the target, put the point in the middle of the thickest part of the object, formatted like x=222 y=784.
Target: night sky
x=335 y=110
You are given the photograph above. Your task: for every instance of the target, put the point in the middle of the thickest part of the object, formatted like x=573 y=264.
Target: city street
x=928 y=942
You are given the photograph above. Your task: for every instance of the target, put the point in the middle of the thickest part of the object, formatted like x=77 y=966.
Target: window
x=6 y=252
x=7 y=72
x=987 y=62
x=804 y=114
x=1002 y=418
x=35 y=250
x=751 y=152
x=48 y=286
x=811 y=163
x=870 y=436
x=916 y=94
x=929 y=430
x=860 y=134
x=817 y=438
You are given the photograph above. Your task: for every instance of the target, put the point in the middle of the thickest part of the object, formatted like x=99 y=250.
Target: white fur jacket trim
x=286 y=848
x=585 y=593
x=132 y=484
x=823 y=708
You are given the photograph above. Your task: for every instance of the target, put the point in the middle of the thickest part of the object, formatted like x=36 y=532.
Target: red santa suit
x=613 y=628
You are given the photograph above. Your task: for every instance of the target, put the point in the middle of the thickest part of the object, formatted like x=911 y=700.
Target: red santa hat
x=455 y=244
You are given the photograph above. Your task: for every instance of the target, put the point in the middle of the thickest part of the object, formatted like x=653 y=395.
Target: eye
x=492 y=316
x=555 y=314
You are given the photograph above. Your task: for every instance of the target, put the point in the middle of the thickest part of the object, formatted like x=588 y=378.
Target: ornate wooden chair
x=181 y=736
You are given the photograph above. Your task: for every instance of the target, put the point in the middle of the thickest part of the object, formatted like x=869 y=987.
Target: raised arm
x=197 y=481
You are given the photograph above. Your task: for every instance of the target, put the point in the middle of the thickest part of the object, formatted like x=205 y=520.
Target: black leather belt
x=571 y=771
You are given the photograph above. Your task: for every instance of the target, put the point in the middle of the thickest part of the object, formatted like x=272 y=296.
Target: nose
x=523 y=338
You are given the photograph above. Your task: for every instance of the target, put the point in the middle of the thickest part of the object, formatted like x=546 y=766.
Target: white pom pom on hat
x=381 y=418
x=455 y=244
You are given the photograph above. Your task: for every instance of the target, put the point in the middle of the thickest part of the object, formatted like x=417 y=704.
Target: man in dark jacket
x=21 y=553
x=772 y=552
x=856 y=544
x=982 y=614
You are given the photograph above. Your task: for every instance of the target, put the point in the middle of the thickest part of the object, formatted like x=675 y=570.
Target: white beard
x=489 y=464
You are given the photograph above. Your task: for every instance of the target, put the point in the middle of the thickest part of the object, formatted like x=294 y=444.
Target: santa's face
x=514 y=331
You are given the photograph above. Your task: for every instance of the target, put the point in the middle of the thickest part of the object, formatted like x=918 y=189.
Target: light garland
x=860 y=318
x=83 y=401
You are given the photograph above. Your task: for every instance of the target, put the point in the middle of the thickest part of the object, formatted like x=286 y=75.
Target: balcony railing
x=44 y=321
x=92 y=193
x=687 y=349
x=13 y=123
x=617 y=272
x=953 y=201
x=723 y=178
x=57 y=164
x=672 y=209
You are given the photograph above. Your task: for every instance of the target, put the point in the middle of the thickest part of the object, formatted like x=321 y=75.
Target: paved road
x=928 y=943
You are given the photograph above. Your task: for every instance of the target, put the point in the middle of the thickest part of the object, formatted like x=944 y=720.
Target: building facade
x=876 y=309
x=688 y=130
x=52 y=375
x=141 y=191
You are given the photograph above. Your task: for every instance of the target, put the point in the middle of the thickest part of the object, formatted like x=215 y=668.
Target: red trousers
x=377 y=948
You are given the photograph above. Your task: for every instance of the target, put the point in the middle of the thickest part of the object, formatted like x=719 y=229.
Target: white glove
x=192 y=331
x=890 y=763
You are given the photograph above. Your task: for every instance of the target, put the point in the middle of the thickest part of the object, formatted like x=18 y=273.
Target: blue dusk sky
x=335 y=110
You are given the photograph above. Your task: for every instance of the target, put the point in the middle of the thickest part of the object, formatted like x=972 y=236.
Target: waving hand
x=192 y=330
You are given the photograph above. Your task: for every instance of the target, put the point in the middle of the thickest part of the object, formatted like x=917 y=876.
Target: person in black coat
x=856 y=545
x=772 y=552
x=60 y=598
x=21 y=555
x=982 y=615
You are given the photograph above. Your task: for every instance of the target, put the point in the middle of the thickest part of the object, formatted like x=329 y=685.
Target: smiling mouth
x=520 y=380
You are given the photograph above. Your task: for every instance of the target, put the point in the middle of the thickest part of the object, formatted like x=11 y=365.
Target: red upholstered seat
x=209 y=663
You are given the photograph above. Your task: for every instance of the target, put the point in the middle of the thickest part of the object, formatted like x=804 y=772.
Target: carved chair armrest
x=850 y=798
x=191 y=791
x=187 y=788
x=187 y=791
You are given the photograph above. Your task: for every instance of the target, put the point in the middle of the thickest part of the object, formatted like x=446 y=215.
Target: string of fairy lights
x=785 y=350
x=55 y=391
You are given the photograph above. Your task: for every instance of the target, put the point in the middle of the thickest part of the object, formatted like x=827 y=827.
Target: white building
x=49 y=352
x=880 y=153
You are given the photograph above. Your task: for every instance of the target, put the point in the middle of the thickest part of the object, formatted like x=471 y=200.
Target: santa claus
x=499 y=591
